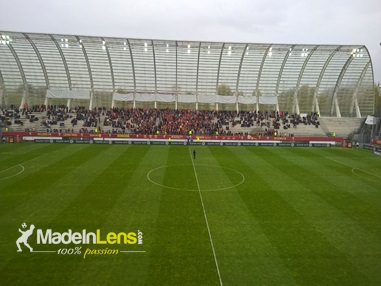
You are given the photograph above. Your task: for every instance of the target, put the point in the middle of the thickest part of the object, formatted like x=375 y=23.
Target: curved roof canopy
x=332 y=79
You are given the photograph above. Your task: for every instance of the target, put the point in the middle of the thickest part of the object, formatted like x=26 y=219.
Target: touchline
x=85 y=237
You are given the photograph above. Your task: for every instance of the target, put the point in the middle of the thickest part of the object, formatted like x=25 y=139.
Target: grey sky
x=275 y=21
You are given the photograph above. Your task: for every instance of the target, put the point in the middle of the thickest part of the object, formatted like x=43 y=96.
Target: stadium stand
x=69 y=83
x=152 y=121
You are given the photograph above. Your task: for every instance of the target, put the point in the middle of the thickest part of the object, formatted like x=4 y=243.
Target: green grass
x=277 y=216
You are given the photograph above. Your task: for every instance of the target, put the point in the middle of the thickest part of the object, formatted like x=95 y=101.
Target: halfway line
x=206 y=219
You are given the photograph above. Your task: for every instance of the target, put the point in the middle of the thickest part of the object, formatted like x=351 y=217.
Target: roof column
x=260 y=74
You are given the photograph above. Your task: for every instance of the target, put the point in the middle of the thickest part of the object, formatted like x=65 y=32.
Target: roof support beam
x=260 y=75
x=133 y=69
x=2 y=90
x=89 y=70
x=335 y=103
x=63 y=61
x=355 y=103
x=219 y=67
x=39 y=59
x=239 y=74
x=315 y=101
x=198 y=68
x=280 y=76
x=296 y=99
x=24 y=99
x=110 y=64
x=154 y=68
x=177 y=93
x=154 y=64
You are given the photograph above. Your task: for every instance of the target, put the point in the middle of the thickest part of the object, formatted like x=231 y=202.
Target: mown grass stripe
x=363 y=159
x=53 y=199
x=360 y=247
x=41 y=173
x=21 y=154
x=183 y=238
x=329 y=191
x=273 y=229
x=305 y=251
x=136 y=208
x=249 y=257
x=364 y=189
x=205 y=216
x=95 y=202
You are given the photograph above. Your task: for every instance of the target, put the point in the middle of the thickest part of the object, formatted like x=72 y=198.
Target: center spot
x=182 y=177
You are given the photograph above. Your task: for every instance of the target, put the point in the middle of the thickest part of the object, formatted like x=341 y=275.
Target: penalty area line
x=206 y=219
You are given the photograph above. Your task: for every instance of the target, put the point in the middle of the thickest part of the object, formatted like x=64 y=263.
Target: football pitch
x=229 y=216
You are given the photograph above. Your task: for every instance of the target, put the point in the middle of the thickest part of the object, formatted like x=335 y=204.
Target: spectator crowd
x=157 y=121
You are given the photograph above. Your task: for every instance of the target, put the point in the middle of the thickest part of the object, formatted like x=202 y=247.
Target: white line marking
x=14 y=175
x=148 y=176
x=131 y=251
x=353 y=168
x=206 y=219
x=358 y=175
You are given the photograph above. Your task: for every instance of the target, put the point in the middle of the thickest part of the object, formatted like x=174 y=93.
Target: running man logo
x=24 y=237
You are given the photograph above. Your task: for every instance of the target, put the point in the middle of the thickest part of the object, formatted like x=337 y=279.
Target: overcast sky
x=269 y=21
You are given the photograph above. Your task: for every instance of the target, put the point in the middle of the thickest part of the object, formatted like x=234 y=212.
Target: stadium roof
x=335 y=80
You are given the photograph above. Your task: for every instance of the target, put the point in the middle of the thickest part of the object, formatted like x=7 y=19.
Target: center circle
x=183 y=177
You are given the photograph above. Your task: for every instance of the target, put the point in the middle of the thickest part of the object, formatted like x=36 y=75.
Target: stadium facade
x=334 y=80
